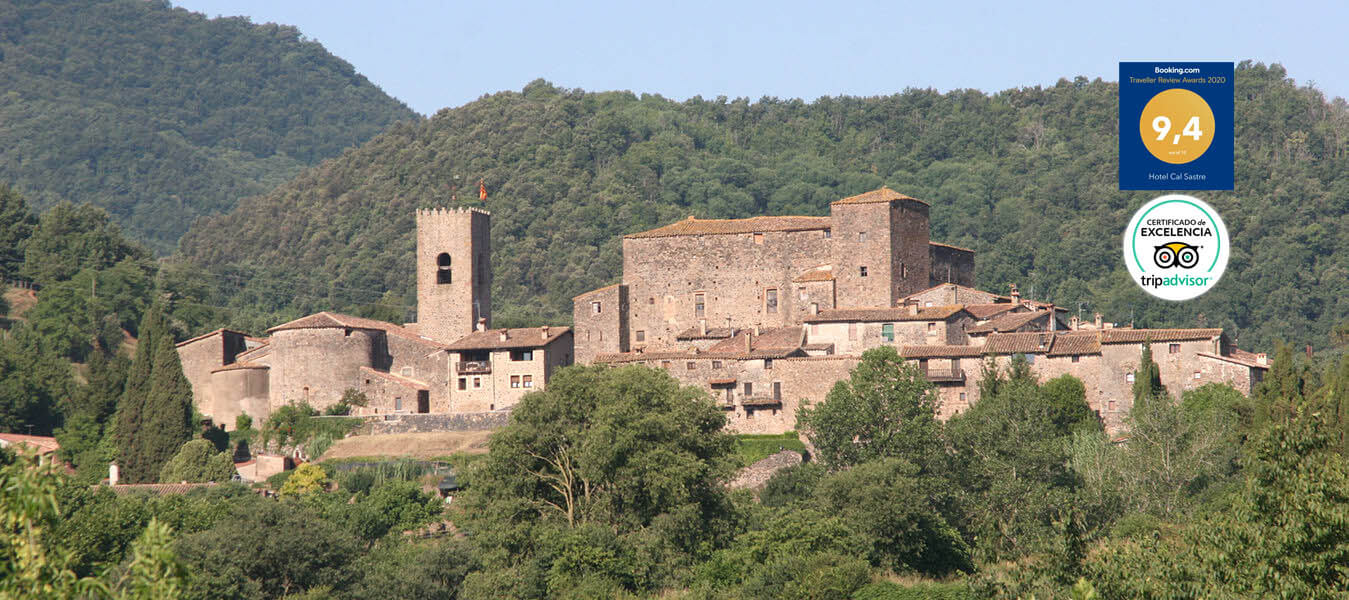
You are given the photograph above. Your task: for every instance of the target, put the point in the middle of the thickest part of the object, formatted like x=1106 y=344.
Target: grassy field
x=751 y=448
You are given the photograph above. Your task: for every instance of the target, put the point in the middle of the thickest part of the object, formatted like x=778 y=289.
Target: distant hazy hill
x=1027 y=177
x=161 y=115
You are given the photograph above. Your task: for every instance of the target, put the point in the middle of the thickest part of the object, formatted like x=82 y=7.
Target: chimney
x=504 y=335
x=544 y=330
x=702 y=326
x=1053 y=319
x=114 y=472
x=1016 y=295
x=1075 y=323
x=749 y=340
x=913 y=309
x=482 y=324
x=1097 y=316
x=1261 y=358
x=756 y=329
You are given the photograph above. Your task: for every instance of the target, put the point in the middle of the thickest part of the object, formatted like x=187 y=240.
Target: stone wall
x=953 y=265
x=603 y=328
x=202 y=355
x=484 y=421
x=732 y=271
x=243 y=390
x=451 y=297
x=318 y=365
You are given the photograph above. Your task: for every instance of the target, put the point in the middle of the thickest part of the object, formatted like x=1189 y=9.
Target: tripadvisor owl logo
x=1176 y=247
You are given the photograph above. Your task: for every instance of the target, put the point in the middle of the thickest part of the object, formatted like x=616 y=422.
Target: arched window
x=443 y=269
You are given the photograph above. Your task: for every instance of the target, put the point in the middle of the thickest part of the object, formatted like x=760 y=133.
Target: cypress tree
x=1148 y=377
x=128 y=425
x=166 y=423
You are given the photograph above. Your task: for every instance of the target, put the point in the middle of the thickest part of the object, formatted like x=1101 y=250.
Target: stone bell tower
x=454 y=271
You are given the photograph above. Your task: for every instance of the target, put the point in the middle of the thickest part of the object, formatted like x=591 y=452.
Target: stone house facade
x=768 y=314
x=449 y=361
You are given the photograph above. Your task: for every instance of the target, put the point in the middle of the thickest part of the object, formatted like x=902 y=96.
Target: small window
x=888 y=332
x=828 y=234
x=931 y=328
x=861 y=236
x=595 y=307
x=758 y=238
x=1077 y=358
x=862 y=271
x=346 y=332
x=651 y=300
x=665 y=364
x=528 y=381
x=691 y=365
x=640 y=336
x=1173 y=349
x=716 y=364
x=749 y=412
x=1129 y=377
x=1196 y=375
x=463 y=383
x=515 y=381
x=522 y=355
x=398 y=404
x=443 y=272
x=699 y=305
x=477 y=382
x=771 y=301
x=962 y=396
x=749 y=389
x=1110 y=406
x=768 y=363
x=801 y=292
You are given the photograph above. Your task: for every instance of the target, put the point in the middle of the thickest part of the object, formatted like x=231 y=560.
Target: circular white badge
x=1176 y=247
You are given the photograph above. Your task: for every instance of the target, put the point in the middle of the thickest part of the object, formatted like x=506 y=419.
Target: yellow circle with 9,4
x=1176 y=126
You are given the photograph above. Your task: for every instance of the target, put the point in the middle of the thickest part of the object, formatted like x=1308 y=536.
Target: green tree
x=155 y=416
x=16 y=224
x=886 y=408
x=306 y=479
x=198 y=461
x=69 y=238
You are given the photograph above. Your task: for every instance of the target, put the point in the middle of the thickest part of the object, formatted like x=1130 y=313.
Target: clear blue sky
x=434 y=54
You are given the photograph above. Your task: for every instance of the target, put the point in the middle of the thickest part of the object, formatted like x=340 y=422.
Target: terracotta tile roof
x=396 y=379
x=1018 y=343
x=760 y=401
x=1238 y=358
x=516 y=338
x=254 y=353
x=239 y=366
x=693 y=226
x=1076 y=342
x=596 y=290
x=209 y=334
x=884 y=194
x=630 y=357
x=721 y=381
x=39 y=443
x=957 y=248
x=938 y=351
x=772 y=342
x=713 y=333
x=820 y=273
x=1007 y=322
x=818 y=347
x=985 y=311
x=158 y=489
x=895 y=313
x=332 y=320
x=1137 y=336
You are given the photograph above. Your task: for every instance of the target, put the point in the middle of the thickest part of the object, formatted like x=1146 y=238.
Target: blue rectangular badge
x=1175 y=125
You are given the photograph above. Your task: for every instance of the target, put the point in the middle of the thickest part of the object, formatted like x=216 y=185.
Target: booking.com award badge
x=1176 y=247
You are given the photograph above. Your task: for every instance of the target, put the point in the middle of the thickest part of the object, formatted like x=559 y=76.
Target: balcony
x=945 y=375
x=474 y=367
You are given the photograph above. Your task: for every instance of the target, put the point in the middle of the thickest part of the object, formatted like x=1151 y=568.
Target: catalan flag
x=482 y=190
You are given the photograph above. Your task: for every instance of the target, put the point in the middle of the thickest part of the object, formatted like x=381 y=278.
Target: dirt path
x=411 y=445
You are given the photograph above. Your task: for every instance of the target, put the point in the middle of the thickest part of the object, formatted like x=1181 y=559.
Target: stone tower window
x=861 y=237
x=862 y=271
x=758 y=238
x=443 y=274
x=699 y=305
x=595 y=307
x=771 y=301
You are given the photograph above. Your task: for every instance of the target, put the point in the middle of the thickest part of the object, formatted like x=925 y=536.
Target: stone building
x=449 y=361
x=769 y=313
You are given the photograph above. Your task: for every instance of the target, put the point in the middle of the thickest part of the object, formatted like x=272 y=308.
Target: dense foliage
x=160 y=115
x=1026 y=177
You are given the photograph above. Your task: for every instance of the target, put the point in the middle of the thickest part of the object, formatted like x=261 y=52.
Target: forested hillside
x=160 y=115
x=1027 y=177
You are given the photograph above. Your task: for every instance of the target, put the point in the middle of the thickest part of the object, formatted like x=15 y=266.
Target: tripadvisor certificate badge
x=1176 y=247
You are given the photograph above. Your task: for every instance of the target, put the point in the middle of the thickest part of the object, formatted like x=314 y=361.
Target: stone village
x=764 y=313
